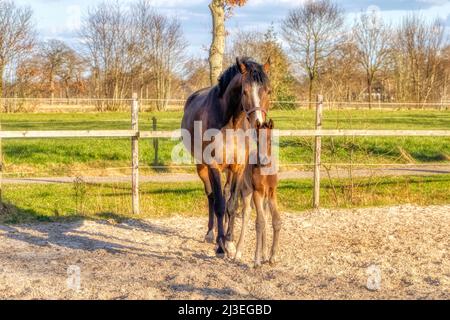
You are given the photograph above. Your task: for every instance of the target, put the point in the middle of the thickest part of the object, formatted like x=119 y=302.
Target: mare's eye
x=269 y=92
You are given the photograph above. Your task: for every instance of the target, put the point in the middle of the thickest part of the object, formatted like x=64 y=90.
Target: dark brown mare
x=237 y=102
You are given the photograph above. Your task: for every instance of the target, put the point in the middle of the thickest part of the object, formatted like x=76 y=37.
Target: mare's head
x=248 y=81
x=264 y=142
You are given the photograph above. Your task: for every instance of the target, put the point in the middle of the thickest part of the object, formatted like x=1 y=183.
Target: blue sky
x=61 y=18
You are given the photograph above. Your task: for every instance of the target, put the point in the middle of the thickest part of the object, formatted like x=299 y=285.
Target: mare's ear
x=258 y=124
x=266 y=66
x=242 y=68
x=271 y=125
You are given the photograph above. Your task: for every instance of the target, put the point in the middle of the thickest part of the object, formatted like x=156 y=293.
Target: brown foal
x=261 y=184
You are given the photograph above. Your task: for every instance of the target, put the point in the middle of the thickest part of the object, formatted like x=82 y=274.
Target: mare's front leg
x=203 y=173
x=247 y=195
x=219 y=208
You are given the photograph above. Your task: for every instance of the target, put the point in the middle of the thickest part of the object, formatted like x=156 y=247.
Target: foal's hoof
x=257 y=265
x=273 y=261
x=238 y=256
x=209 y=238
x=230 y=248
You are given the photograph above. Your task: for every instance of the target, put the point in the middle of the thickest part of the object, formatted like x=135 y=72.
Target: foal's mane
x=254 y=69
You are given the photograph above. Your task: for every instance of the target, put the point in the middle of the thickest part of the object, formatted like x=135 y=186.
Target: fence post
x=1 y=170
x=155 y=143
x=135 y=154
x=317 y=153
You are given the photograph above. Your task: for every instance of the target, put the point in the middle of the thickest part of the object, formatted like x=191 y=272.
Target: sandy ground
x=405 y=170
x=398 y=252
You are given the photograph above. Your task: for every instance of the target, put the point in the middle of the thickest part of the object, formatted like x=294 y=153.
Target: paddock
x=325 y=254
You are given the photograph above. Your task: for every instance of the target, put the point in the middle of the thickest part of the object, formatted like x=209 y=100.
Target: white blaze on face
x=257 y=102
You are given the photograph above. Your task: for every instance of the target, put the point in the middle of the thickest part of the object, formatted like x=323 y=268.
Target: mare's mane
x=255 y=70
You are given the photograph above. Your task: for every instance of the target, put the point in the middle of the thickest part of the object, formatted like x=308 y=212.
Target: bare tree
x=163 y=44
x=106 y=38
x=341 y=77
x=130 y=49
x=419 y=47
x=220 y=9
x=16 y=34
x=197 y=75
x=313 y=32
x=372 y=40
x=71 y=73
x=262 y=46
x=53 y=54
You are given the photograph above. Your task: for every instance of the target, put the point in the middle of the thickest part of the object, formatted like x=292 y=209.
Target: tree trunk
x=217 y=49
x=2 y=70
x=51 y=80
x=369 y=91
x=311 y=88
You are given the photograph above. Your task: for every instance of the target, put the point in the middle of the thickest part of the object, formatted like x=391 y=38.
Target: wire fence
x=104 y=104
x=81 y=158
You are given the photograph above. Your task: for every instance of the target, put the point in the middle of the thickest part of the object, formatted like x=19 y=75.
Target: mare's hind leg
x=202 y=171
x=246 y=211
x=276 y=224
x=219 y=208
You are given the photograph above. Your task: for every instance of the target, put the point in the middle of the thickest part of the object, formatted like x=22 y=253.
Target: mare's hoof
x=220 y=250
x=210 y=237
x=257 y=265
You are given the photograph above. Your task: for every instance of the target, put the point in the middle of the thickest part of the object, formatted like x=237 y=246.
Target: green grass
x=38 y=157
x=32 y=203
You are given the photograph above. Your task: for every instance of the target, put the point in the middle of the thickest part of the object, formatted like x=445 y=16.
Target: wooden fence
x=135 y=134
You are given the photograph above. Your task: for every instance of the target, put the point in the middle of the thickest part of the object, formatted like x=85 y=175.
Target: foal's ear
x=241 y=66
x=258 y=124
x=266 y=66
x=271 y=125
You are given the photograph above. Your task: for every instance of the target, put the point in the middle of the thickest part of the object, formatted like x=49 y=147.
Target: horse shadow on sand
x=45 y=232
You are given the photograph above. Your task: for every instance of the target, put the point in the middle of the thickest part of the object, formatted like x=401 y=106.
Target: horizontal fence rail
x=177 y=134
x=69 y=134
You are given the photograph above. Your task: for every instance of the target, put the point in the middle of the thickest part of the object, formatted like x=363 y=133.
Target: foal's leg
x=258 y=197
x=202 y=171
x=219 y=208
x=276 y=224
x=246 y=211
x=264 y=234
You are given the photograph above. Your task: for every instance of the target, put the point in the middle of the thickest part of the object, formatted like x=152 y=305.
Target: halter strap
x=251 y=111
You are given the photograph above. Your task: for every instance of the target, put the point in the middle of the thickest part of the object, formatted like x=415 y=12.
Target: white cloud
x=284 y=3
x=73 y=17
x=433 y=2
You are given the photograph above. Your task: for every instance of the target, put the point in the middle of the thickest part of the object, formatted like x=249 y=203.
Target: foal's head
x=264 y=142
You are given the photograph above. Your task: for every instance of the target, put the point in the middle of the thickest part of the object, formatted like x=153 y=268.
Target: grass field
x=28 y=203
x=48 y=157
